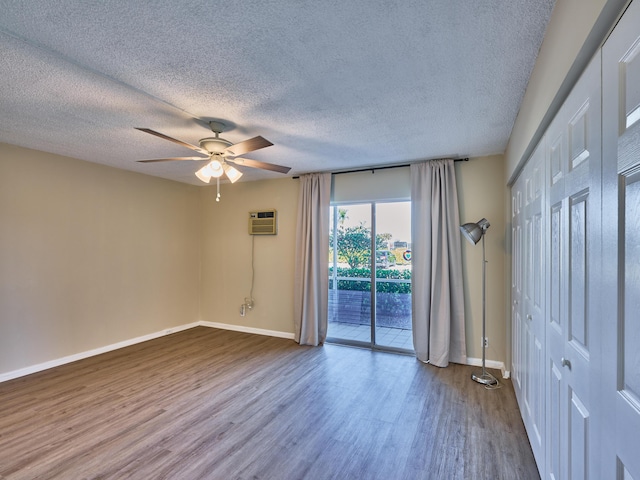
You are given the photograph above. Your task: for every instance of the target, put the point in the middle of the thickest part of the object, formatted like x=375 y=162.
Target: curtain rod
x=373 y=169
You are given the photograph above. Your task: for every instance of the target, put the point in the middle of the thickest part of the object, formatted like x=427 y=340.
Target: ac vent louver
x=264 y=222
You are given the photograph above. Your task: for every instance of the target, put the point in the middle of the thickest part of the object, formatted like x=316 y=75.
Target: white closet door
x=527 y=290
x=620 y=297
x=572 y=231
x=517 y=213
x=534 y=300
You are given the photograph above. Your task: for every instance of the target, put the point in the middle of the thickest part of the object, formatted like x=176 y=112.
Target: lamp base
x=484 y=378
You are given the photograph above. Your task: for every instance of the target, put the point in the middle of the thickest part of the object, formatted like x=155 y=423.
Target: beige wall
x=90 y=256
x=570 y=24
x=226 y=265
x=226 y=255
x=481 y=193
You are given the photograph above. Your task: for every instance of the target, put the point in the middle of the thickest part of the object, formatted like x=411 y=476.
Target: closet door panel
x=630 y=325
x=554 y=457
x=574 y=155
x=578 y=438
x=578 y=313
x=528 y=299
x=620 y=304
x=516 y=288
x=516 y=303
x=534 y=301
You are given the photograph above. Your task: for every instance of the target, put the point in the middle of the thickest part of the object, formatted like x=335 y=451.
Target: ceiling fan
x=220 y=153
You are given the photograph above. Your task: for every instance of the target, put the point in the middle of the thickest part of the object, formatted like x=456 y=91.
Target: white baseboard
x=126 y=343
x=90 y=353
x=223 y=326
x=256 y=331
x=477 y=362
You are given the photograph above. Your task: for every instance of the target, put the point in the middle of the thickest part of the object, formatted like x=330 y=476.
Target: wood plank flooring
x=215 y=404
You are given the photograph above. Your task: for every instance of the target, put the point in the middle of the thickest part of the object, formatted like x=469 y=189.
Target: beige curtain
x=437 y=296
x=311 y=295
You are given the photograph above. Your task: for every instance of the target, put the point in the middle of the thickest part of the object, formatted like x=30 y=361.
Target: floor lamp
x=474 y=232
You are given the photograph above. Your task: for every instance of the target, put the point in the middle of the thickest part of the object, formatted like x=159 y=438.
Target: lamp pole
x=485 y=377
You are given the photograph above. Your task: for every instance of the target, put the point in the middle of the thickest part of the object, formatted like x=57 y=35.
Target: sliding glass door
x=393 y=275
x=370 y=275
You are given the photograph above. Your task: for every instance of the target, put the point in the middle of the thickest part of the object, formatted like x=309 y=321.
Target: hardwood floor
x=215 y=404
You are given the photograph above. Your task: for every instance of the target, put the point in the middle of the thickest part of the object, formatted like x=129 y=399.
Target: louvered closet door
x=620 y=296
x=572 y=231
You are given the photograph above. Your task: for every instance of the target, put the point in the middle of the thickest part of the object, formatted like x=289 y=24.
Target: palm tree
x=342 y=215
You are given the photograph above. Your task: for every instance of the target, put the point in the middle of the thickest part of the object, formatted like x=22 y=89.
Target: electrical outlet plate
x=485 y=344
x=248 y=302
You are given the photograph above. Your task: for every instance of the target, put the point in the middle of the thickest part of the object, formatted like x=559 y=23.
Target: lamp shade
x=211 y=169
x=233 y=174
x=203 y=174
x=215 y=169
x=473 y=231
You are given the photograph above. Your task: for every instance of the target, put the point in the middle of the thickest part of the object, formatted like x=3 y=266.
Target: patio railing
x=354 y=306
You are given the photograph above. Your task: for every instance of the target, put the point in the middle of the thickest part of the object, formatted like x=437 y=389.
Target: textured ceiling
x=334 y=85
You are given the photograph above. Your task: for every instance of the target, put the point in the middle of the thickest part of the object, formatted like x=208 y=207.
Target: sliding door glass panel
x=393 y=275
x=354 y=273
x=350 y=274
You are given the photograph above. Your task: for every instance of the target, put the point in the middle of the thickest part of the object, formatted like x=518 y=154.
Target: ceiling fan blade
x=247 y=146
x=247 y=162
x=171 y=159
x=179 y=142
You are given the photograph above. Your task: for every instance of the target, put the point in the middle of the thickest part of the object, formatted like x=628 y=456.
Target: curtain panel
x=311 y=294
x=437 y=287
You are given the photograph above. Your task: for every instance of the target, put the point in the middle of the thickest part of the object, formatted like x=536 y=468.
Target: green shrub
x=365 y=285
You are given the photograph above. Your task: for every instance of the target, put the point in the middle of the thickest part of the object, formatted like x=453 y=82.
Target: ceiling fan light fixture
x=203 y=174
x=233 y=174
x=215 y=168
x=211 y=169
x=219 y=151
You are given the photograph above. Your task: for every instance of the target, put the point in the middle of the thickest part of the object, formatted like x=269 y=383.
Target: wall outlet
x=485 y=343
x=247 y=305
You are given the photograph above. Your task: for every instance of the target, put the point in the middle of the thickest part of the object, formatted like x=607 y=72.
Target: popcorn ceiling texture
x=333 y=84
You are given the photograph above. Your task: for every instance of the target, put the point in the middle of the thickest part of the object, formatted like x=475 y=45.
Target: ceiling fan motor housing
x=214 y=145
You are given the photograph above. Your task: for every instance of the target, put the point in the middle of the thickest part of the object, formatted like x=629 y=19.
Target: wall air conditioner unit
x=264 y=222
